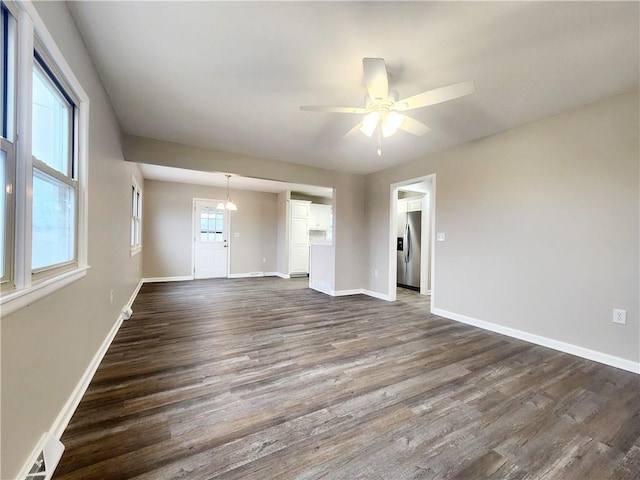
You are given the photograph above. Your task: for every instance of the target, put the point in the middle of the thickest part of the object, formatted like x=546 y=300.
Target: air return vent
x=47 y=460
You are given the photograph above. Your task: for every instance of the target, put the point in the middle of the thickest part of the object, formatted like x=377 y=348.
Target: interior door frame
x=393 y=218
x=194 y=221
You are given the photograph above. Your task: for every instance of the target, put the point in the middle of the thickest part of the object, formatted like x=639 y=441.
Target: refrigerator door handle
x=407 y=250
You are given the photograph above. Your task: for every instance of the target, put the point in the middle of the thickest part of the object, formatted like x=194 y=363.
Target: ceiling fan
x=382 y=106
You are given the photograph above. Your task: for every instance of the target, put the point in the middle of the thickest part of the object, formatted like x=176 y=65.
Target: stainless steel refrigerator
x=409 y=233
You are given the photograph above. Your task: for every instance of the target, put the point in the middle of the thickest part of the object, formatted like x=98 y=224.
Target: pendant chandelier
x=228 y=205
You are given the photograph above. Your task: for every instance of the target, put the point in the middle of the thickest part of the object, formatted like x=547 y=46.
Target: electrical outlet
x=111 y=296
x=375 y=273
x=619 y=316
x=264 y=259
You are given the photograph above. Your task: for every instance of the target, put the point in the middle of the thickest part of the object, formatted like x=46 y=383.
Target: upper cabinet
x=320 y=216
x=409 y=205
x=300 y=208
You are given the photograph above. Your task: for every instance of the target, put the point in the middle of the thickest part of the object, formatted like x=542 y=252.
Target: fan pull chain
x=379 y=141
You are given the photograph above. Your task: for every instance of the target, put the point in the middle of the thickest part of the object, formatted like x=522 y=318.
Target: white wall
x=283 y=234
x=349 y=234
x=47 y=345
x=168 y=236
x=542 y=227
x=541 y=223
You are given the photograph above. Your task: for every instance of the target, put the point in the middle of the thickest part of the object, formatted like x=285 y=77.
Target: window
x=43 y=202
x=7 y=148
x=53 y=237
x=136 y=217
x=211 y=225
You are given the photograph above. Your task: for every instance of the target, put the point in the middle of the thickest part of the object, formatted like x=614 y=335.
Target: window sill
x=15 y=300
x=135 y=251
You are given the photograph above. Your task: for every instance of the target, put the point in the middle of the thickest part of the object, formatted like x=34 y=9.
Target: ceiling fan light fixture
x=391 y=123
x=230 y=205
x=369 y=123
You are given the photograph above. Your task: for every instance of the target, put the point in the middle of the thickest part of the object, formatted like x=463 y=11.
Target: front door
x=210 y=244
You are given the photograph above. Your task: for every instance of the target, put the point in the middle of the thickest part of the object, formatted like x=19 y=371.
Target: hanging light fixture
x=229 y=205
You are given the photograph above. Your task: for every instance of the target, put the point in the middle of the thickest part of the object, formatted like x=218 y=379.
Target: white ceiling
x=214 y=179
x=232 y=75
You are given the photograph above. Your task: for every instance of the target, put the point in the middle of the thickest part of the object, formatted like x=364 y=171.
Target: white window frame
x=135 y=241
x=27 y=286
x=7 y=145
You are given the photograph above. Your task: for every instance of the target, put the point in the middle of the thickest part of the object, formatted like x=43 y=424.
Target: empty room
x=303 y=240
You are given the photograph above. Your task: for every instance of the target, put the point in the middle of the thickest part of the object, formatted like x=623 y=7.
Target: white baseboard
x=246 y=275
x=343 y=293
x=134 y=294
x=61 y=422
x=582 y=352
x=276 y=274
x=64 y=417
x=381 y=296
x=167 y=279
x=325 y=288
x=322 y=287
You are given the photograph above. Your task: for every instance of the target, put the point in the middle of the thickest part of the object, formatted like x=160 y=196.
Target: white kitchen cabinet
x=299 y=237
x=320 y=216
x=409 y=205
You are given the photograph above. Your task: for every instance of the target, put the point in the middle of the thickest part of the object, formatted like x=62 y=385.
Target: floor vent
x=256 y=274
x=47 y=460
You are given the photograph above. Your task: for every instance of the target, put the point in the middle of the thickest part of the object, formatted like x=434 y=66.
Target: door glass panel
x=211 y=225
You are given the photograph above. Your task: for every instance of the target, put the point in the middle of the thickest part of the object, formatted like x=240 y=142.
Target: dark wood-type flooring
x=265 y=378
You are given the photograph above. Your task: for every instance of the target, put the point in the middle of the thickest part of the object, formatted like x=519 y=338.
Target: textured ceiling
x=231 y=75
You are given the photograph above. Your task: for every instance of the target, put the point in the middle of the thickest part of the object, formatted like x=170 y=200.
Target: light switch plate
x=440 y=236
x=236 y=235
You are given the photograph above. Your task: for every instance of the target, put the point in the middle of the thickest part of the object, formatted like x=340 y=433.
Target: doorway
x=412 y=198
x=210 y=240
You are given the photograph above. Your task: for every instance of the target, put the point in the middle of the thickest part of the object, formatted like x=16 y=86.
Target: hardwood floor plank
x=265 y=378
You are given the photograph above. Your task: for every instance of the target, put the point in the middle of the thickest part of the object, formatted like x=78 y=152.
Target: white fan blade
x=414 y=127
x=375 y=78
x=353 y=131
x=437 y=95
x=334 y=109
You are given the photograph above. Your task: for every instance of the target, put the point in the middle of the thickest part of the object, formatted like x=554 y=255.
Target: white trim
x=30 y=26
x=133 y=295
x=64 y=416
x=194 y=222
x=324 y=288
x=276 y=274
x=380 y=296
x=576 y=350
x=343 y=293
x=136 y=203
x=393 y=216
x=61 y=422
x=167 y=279
x=246 y=275
x=12 y=301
